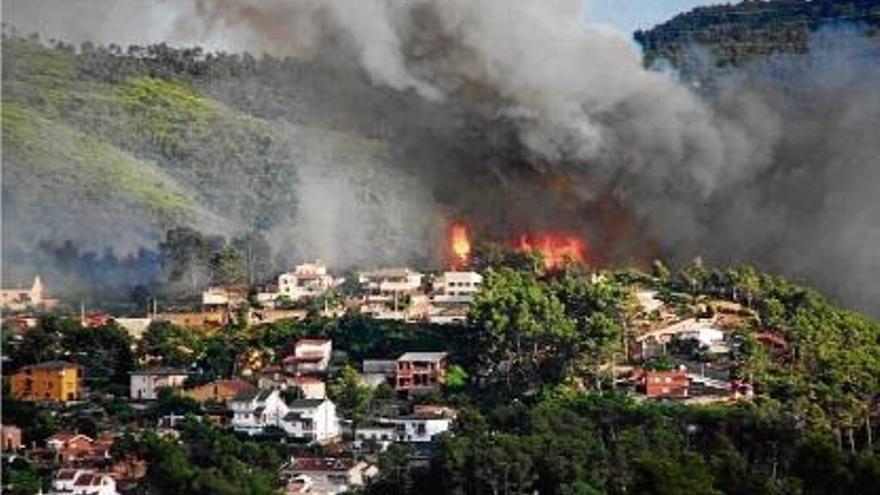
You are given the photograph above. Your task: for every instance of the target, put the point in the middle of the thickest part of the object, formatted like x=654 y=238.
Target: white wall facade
x=145 y=386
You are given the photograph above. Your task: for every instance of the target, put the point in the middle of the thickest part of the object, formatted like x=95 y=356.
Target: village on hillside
x=337 y=407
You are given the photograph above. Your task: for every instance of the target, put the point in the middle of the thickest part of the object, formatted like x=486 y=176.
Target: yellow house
x=52 y=381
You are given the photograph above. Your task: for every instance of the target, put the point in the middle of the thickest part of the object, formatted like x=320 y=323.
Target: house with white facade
x=306 y=281
x=384 y=283
x=310 y=356
x=448 y=315
x=708 y=336
x=82 y=482
x=145 y=384
x=253 y=412
x=393 y=294
x=705 y=330
x=452 y=294
x=409 y=429
x=21 y=298
x=313 y=420
x=456 y=287
x=223 y=297
x=326 y=475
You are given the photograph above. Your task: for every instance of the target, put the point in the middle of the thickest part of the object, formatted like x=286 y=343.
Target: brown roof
x=772 y=339
x=66 y=474
x=306 y=379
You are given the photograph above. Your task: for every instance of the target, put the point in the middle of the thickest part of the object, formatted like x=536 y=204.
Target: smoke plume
x=518 y=115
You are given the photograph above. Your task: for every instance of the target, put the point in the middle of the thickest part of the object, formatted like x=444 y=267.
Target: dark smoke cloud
x=516 y=115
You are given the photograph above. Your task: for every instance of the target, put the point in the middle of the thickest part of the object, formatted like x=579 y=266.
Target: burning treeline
x=556 y=249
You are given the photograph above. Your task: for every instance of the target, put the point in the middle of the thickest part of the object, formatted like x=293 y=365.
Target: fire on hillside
x=556 y=248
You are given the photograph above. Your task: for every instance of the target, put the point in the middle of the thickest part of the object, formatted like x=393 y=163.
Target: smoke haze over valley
x=389 y=119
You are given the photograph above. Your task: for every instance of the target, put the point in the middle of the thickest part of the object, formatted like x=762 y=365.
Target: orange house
x=72 y=448
x=420 y=371
x=52 y=381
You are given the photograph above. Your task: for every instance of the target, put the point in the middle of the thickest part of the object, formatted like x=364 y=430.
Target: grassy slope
x=156 y=151
x=84 y=164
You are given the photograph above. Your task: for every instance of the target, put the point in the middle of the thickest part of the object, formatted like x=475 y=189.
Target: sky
x=623 y=15
x=629 y=15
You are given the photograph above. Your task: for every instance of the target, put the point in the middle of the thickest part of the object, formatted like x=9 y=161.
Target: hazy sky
x=156 y=16
x=629 y=15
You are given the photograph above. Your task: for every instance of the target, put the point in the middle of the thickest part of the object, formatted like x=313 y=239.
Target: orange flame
x=556 y=249
x=459 y=242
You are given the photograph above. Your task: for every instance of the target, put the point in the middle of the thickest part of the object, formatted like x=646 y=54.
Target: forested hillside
x=111 y=148
x=743 y=31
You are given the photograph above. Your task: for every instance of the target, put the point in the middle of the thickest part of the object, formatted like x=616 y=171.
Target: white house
x=448 y=315
x=21 y=298
x=309 y=356
x=222 y=297
x=82 y=482
x=654 y=343
x=314 y=420
x=708 y=336
x=326 y=475
x=452 y=293
x=376 y=433
x=253 y=412
x=145 y=384
x=456 y=287
x=389 y=284
x=393 y=294
x=307 y=280
x=414 y=429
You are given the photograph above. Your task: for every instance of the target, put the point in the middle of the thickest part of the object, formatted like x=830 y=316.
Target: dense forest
x=740 y=32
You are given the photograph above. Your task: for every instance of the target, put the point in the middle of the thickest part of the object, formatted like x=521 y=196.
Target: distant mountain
x=740 y=32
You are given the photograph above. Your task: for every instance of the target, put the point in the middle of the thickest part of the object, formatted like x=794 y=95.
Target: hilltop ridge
x=737 y=33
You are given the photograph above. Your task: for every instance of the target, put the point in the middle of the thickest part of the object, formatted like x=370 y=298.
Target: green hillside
x=138 y=150
x=736 y=33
